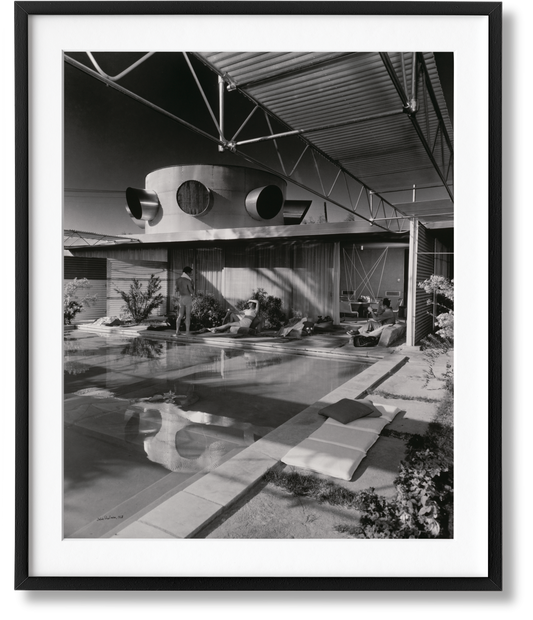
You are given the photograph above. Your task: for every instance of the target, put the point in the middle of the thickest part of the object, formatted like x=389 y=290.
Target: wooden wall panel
x=94 y=269
x=121 y=274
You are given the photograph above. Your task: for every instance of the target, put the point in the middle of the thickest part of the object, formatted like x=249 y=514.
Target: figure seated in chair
x=376 y=324
x=233 y=321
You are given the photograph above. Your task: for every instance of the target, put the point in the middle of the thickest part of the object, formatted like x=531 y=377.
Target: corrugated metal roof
x=307 y=90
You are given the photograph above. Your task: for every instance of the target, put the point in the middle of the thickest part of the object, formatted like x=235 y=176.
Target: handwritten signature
x=107 y=517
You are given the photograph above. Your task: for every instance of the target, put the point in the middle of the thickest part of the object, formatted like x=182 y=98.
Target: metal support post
x=221 y=111
x=411 y=283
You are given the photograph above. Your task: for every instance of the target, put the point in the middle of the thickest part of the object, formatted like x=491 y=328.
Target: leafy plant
x=443 y=291
x=72 y=306
x=206 y=311
x=139 y=347
x=140 y=303
x=321 y=219
x=423 y=505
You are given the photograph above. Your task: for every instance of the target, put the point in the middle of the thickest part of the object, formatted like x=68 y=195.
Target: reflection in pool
x=144 y=416
x=186 y=441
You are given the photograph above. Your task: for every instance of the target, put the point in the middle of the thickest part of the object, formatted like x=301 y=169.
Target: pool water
x=143 y=417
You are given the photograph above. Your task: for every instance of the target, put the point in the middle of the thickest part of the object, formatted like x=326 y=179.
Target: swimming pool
x=144 y=418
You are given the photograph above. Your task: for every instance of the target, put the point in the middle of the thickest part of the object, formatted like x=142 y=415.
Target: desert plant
x=141 y=303
x=71 y=304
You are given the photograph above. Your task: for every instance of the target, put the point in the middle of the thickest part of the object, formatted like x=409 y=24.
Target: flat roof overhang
x=334 y=229
x=339 y=231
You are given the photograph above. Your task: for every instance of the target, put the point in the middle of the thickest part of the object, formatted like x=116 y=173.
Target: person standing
x=184 y=290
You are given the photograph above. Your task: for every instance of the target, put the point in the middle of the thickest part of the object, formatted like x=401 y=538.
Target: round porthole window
x=264 y=203
x=194 y=198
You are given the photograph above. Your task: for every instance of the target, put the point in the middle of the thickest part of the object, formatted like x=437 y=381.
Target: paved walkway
x=220 y=503
x=275 y=513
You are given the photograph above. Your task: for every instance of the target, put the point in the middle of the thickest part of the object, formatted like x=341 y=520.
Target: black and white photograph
x=258 y=295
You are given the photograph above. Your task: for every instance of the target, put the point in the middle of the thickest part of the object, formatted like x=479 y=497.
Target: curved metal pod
x=139 y=223
x=142 y=204
x=264 y=203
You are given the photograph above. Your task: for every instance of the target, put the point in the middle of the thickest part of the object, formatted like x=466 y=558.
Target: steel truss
x=411 y=105
x=394 y=216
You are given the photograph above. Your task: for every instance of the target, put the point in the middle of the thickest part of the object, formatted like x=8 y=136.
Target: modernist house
x=379 y=121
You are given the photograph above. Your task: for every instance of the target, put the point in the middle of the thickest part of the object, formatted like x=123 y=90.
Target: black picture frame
x=23 y=580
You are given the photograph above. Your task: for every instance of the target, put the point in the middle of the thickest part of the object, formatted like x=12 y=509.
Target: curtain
x=313 y=279
x=208 y=272
x=302 y=274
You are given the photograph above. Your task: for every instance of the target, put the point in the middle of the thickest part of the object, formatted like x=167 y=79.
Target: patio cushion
x=337 y=448
x=347 y=410
x=372 y=425
x=388 y=412
x=325 y=458
x=346 y=437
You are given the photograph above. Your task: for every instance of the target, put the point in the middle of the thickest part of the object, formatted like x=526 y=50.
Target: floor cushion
x=372 y=425
x=347 y=410
x=388 y=412
x=337 y=448
x=346 y=437
x=325 y=458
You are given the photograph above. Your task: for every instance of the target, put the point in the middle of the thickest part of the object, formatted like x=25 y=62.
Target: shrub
x=141 y=303
x=423 y=506
x=71 y=305
x=443 y=289
x=206 y=311
x=270 y=311
x=442 y=342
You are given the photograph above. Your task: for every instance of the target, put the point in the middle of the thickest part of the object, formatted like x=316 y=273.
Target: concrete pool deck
x=335 y=342
x=195 y=507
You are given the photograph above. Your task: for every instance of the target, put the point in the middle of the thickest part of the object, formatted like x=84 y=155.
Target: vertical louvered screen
x=94 y=269
x=121 y=273
x=424 y=269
